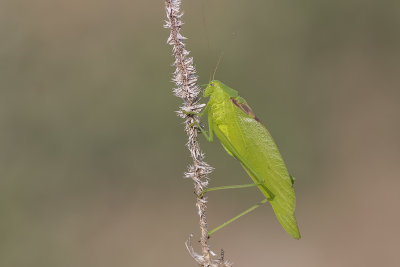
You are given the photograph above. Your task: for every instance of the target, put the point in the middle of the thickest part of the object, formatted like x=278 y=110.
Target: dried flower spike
x=185 y=79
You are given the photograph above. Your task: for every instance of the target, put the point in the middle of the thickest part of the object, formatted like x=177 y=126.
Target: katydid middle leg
x=229 y=187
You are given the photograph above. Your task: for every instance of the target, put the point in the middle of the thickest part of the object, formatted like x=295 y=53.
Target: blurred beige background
x=93 y=155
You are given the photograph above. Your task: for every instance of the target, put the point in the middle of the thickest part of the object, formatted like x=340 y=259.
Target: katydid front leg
x=205 y=109
x=209 y=136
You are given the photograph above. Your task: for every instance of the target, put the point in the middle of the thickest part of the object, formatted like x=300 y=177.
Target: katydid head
x=217 y=86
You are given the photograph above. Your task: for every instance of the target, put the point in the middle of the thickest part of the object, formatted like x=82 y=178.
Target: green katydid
x=244 y=137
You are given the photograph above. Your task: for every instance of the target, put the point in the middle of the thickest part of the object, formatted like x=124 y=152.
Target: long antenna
x=216 y=67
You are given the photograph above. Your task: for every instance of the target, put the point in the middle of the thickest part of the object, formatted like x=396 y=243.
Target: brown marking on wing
x=246 y=109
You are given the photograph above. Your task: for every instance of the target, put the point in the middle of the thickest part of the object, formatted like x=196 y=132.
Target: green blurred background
x=93 y=154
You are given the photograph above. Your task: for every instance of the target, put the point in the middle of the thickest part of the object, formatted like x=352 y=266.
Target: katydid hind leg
x=237 y=216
